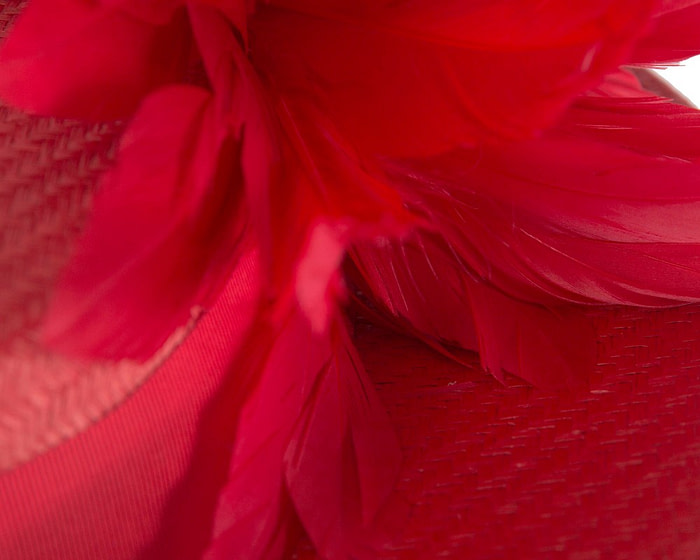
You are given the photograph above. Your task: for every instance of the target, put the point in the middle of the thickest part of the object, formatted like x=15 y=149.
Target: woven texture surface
x=493 y=471
x=490 y=471
x=49 y=171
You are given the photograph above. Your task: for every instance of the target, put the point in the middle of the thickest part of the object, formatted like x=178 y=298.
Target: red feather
x=314 y=441
x=338 y=198
x=420 y=78
x=602 y=210
x=440 y=300
x=673 y=36
x=159 y=12
x=163 y=236
x=69 y=58
x=308 y=192
x=156 y=12
x=421 y=283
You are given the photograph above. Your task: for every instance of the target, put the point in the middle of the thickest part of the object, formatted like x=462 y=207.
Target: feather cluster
x=475 y=171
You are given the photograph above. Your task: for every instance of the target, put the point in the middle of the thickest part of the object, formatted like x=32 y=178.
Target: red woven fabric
x=515 y=472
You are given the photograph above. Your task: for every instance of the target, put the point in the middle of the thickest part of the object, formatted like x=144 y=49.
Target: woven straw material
x=493 y=471
x=490 y=471
x=48 y=176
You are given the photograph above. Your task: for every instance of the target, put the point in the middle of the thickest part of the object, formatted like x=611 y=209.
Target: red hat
x=347 y=280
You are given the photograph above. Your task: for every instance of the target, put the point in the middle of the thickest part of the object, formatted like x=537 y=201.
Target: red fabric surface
x=510 y=471
x=106 y=492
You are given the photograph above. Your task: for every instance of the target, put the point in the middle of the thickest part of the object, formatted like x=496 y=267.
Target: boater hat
x=238 y=321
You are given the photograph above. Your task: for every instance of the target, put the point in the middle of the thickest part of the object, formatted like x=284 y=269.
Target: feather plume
x=324 y=451
x=417 y=79
x=309 y=194
x=57 y=62
x=436 y=297
x=163 y=235
x=602 y=210
x=673 y=35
